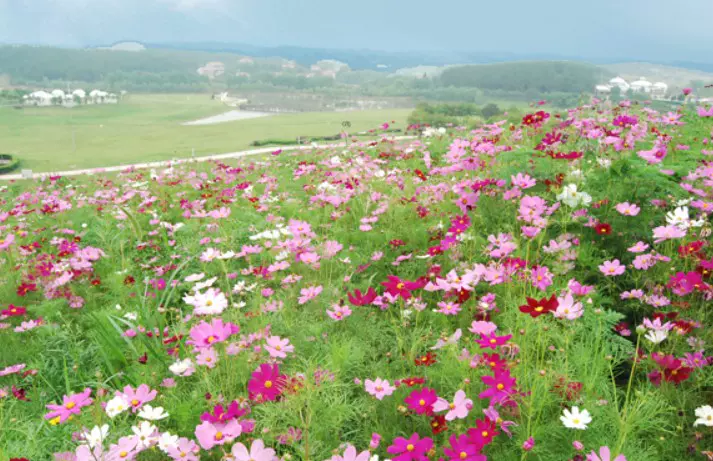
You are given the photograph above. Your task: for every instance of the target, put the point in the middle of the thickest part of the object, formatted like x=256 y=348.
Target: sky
x=657 y=30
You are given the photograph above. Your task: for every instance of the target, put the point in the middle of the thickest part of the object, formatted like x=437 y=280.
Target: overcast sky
x=658 y=30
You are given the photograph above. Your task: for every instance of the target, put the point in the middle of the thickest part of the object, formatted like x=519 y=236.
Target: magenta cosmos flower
x=212 y=434
x=492 y=341
x=397 y=287
x=458 y=409
x=206 y=334
x=71 y=405
x=421 y=401
x=136 y=398
x=412 y=449
x=257 y=452
x=500 y=386
x=266 y=383
x=379 y=388
x=462 y=449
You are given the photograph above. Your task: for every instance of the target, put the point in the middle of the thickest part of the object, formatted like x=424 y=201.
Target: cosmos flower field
x=537 y=289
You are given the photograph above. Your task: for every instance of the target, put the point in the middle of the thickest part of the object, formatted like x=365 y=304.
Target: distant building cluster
x=658 y=90
x=212 y=69
x=69 y=99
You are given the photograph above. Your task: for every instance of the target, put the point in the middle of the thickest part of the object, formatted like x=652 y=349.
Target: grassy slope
x=147 y=128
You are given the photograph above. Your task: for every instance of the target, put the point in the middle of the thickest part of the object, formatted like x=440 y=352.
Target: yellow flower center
x=134 y=402
x=218 y=436
x=70 y=405
x=210 y=339
x=463 y=455
x=500 y=386
x=422 y=402
x=493 y=341
x=410 y=447
x=485 y=434
x=268 y=384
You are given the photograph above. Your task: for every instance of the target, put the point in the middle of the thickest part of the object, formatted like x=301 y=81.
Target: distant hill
x=673 y=76
x=533 y=76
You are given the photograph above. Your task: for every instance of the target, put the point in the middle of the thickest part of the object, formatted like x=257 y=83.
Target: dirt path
x=167 y=163
x=229 y=116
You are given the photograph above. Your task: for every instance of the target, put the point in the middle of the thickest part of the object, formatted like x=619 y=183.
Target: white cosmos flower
x=679 y=218
x=194 y=277
x=573 y=198
x=575 y=419
x=152 y=414
x=146 y=433
x=166 y=441
x=182 y=367
x=96 y=436
x=656 y=336
x=211 y=302
x=200 y=285
x=116 y=406
x=704 y=415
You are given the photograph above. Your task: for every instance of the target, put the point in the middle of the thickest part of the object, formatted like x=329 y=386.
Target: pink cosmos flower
x=136 y=398
x=308 y=294
x=184 y=450
x=127 y=448
x=257 y=452
x=541 y=278
x=663 y=233
x=612 y=268
x=350 y=454
x=7 y=241
x=71 y=405
x=278 y=347
x=604 y=455
x=414 y=448
x=703 y=112
x=207 y=357
x=568 y=309
x=339 y=312
x=458 y=409
x=638 y=247
x=448 y=308
x=212 y=434
x=628 y=209
x=482 y=327
x=379 y=388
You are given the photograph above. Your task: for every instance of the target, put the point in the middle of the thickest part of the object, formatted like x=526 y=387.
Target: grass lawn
x=148 y=128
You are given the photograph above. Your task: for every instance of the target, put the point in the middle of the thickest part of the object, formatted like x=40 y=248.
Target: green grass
x=145 y=128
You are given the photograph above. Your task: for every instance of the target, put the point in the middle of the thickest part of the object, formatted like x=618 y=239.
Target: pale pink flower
x=612 y=268
x=278 y=347
x=458 y=409
x=379 y=388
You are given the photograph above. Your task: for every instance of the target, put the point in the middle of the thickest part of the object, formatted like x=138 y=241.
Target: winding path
x=168 y=163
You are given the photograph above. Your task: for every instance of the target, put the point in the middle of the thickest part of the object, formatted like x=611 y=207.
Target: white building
x=659 y=90
x=39 y=98
x=641 y=86
x=619 y=82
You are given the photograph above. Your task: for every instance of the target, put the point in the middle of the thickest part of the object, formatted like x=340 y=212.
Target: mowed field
x=143 y=128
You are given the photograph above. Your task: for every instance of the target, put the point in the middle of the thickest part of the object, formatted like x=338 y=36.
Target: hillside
x=538 y=76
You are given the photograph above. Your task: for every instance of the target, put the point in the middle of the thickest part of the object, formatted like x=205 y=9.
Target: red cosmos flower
x=397 y=287
x=359 y=299
x=25 y=288
x=602 y=228
x=425 y=360
x=397 y=243
x=705 y=268
x=568 y=390
x=483 y=433
x=692 y=248
x=673 y=369
x=13 y=311
x=492 y=341
x=420 y=175
x=411 y=382
x=566 y=156
x=536 y=308
x=438 y=424
x=421 y=401
x=266 y=383
x=19 y=393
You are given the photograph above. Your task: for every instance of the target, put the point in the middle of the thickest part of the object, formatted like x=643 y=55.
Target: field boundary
x=168 y=163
